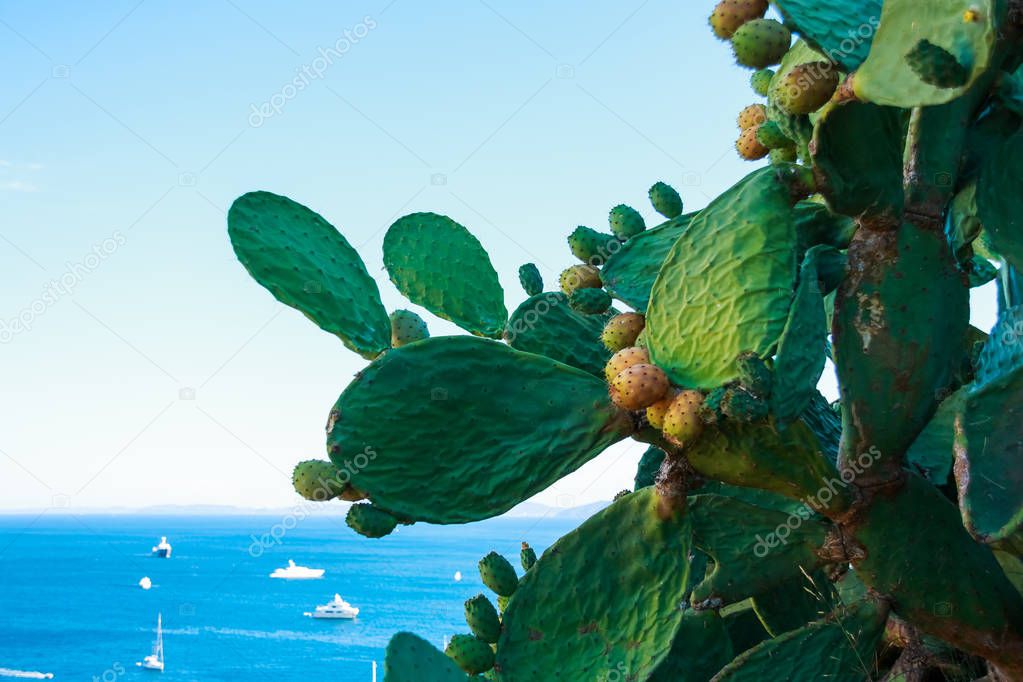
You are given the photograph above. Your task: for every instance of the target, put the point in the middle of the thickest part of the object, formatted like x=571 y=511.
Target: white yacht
x=293 y=572
x=337 y=608
x=163 y=550
x=154 y=661
x=145 y=583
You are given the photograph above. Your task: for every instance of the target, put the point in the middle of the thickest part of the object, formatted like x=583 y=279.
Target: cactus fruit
x=638 y=387
x=770 y=135
x=622 y=330
x=937 y=66
x=806 y=88
x=761 y=43
x=527 y=556
x=497 y=574
x=783 y=156
x=317 y=480
x=471 y=654
x=579 y=277
x=656 y=412
x=626 y=222
x=590 y=301
x=368 y=520
x=592 y=247
x=665 y=200
x=530 y=279
x=482 y=618
x=623 y=359
x=752 y=116
x=682 y=422
x=749 y=146
x=729 y=15
x=407 y=327
x=760 y=81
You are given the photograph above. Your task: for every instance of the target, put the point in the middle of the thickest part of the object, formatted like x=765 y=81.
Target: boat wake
x=25 y=674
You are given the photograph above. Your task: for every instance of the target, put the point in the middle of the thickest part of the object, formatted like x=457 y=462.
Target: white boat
x=293 y=572
x=337 y=608
x=154 y=661
x=162 y=550
x=145 y=583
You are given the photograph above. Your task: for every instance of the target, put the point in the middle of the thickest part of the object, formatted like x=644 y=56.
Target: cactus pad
x=307 y=264
x=630 y=273
x=701 y=647
x=494 y=395
x=547 y=325
x=843 y=31
x=1000 y=207
x=410 y=658
x=649 y=464
x=590 y=301
x=530 y=279
x=569 y=617
x=438 y=264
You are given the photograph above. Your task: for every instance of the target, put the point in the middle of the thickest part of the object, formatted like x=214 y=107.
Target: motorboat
x=154 y=661
x=145 y=583
x=163 y=550
x=293 y=572
x=337 y=608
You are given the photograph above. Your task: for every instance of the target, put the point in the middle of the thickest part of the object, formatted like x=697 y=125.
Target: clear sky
x=153 y=370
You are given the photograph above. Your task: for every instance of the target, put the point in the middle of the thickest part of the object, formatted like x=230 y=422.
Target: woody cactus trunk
x=771 y=535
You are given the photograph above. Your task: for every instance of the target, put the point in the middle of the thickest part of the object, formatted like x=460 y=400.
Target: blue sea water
x=70 y=603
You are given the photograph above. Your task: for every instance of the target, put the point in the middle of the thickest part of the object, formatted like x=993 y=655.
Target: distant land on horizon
x=523 y=510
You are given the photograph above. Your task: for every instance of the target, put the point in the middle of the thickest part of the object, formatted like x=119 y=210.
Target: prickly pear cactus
x=771 y=535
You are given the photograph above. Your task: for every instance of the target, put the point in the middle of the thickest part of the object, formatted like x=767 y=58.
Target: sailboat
x=154 y=661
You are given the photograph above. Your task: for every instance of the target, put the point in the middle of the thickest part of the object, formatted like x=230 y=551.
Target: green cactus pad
x=411 y=658
x=547 y=325
x=482 y=618
x=795 y=602
x=937 y=66
x=745 y=630
x=571 y=617
x=307 y=264
x=932 y=453
x=788 y=463
x=649 y=465
x=530 y=279
x=839 y=648
x=815 y=225
x=801 y=351
x=590 y=301
x=843 y=31
x=407 y=327
x=754 y=549
x=860 y=178
x=967 y=29
x=438 y=264
x=726 y=285
x=665 y=200
x=999 y=205
x=701 y=647
x=428 y=471
x=987 y=436
x=630 y=273
x=826 y=425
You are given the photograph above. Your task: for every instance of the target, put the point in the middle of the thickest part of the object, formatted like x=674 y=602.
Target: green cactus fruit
x=370 y=521
x=527 y=556
x=626 y=221
x=751 y=116
x=770 y=135
x=937 y=66
x=783 y=156
x=638 y=387
x=579 y=277
x=749 y=146
x=592 y=247
x=682 y=422
x=754 y=374
x=761 y=43
x=471 y=654
x=590 y=301
x=665 y=200
x=482 y=618
x=623 y=359
x=729 y=15
x=807 y=87
x=497 y=574
x=317 y=480
x=622 y=330
x=530 y=279
x=656 y=412
x=760 y=81
x=407 y=327
x=743 y=406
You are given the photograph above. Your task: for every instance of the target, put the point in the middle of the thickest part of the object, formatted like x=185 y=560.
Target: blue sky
x=155 y=371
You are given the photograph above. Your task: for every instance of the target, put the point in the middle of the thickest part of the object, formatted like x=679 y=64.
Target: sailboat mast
x=159 y=637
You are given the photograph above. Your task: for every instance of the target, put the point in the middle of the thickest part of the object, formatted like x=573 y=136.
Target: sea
x=71 y=605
